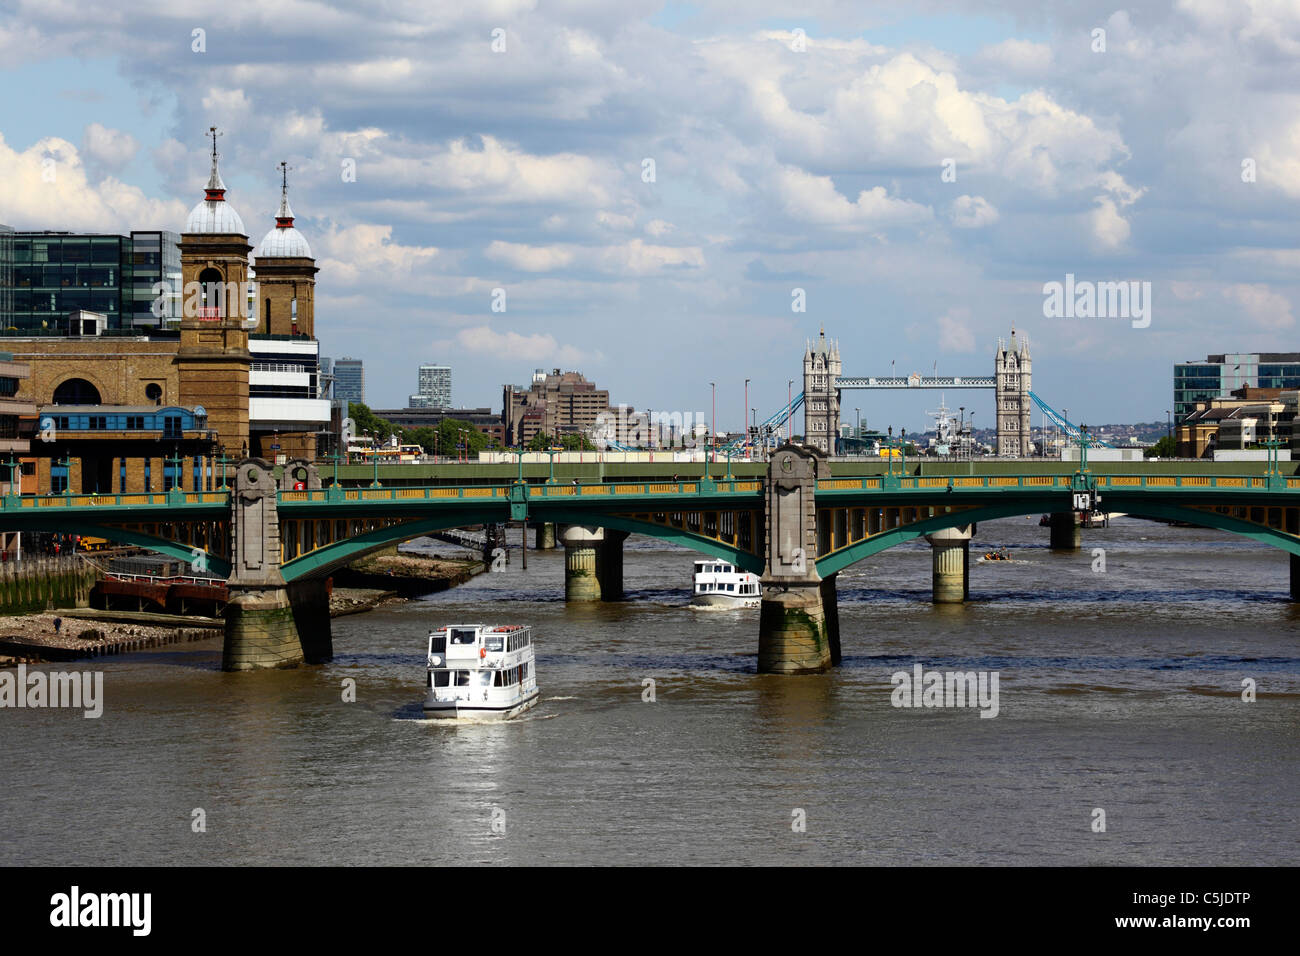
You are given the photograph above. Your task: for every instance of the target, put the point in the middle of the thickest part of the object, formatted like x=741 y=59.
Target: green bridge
x=796 y=523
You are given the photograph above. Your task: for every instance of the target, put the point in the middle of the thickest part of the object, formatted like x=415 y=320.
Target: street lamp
x=961 y=430
x=713 y=425
x=1169 y=424
x=789 y=410
x=857 y=433
x=742 y=414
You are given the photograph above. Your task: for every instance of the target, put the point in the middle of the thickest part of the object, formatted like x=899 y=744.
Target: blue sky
x=782 y=160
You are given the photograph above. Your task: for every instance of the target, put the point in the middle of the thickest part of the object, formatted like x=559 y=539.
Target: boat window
x=484 y=678
x=442 y=678
x=496 y=643
x=463 y=635
x=438 y=645
x=462 y=678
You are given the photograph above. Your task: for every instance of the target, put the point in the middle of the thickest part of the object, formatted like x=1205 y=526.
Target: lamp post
x=713 y=426
x=742 y=412
x=961 y=430
x=1169 y=424
x=889 y=449
x=753 y=415
x=789 y=407
x=857 y=427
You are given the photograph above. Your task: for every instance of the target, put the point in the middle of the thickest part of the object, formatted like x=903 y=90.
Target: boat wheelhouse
x=719 y=584
x=477 y=672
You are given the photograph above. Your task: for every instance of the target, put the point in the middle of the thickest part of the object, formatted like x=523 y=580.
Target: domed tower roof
x=284 y=240
x=214 y=214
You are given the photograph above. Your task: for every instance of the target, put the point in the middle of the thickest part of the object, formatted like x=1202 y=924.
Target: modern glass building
x=349 y=380
x=1220 y=375
x=45 y=276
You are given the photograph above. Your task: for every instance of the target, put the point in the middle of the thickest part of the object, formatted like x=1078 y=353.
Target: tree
x=1164 y=448
x=540 y=442
x=367 y=421
x=450 y=437
x=576 y=443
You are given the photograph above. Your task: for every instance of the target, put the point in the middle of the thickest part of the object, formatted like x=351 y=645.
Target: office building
x=349 y=380
x=559 y=403
x=46 y=276
x=1220 y=375
x=434 y=388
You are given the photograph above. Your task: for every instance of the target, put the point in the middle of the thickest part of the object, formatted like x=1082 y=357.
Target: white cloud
x=111 y=148
x=658 y=227
x=1264 y=308
x=973 y=212
x=46 y=187
x=634 y=257
x=530 y=258
x=954 y=332
x=1109 y=229
x=366 y=253
x=814 y=199
x=514 y=347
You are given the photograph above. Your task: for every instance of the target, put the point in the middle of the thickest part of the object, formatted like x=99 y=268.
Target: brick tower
x=213 y=358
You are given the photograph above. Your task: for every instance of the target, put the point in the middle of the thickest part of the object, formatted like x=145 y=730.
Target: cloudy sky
x=650 y=181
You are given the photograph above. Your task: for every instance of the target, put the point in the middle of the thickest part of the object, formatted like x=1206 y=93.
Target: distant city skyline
x=910 y=180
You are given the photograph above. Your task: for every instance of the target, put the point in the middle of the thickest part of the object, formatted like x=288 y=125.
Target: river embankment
x=79 y=633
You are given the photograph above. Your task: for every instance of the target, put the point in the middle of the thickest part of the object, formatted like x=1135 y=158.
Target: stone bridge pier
x=798 y=630
x=593 y=563
x=951 y=555
x=270 y=623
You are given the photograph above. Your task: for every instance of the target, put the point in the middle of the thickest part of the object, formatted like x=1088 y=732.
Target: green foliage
x=541 y=441
x=367 y=421
x=450 y=436
x=1164 y=448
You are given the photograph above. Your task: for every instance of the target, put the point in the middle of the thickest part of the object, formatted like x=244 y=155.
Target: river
x=1119 y=690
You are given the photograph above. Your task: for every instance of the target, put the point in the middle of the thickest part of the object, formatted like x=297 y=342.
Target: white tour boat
x=719 y=584
x=477 y=672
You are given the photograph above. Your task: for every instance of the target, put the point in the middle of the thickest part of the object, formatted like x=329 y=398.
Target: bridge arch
x=845 y=557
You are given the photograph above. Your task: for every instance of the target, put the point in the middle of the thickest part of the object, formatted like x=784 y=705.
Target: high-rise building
x=821 y=394
x=349 y=380
x=434 y=389
x=326 y=379
x=1012 y=368
x=1221 y=375
x=561 y=403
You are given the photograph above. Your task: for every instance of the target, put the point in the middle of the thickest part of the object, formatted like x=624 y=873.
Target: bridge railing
x=170 y=498
x=1064 y=482
x=532 y=491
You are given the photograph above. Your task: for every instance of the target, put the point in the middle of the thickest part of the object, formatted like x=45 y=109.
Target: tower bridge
x=277 y=537
x=823 y=382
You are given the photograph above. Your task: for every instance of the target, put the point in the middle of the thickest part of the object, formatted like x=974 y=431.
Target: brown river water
x=1118 y=690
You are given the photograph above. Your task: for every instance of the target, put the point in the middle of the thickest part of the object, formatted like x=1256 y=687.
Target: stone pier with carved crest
x=270 y=623
x=796 y=635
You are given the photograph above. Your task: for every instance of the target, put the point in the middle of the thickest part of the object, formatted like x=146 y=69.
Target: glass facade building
x=45 y=276
x=1220 y=375
x=349 y=380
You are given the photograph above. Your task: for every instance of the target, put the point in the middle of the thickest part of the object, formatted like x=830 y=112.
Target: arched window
x=76 y=391
x=212 y=294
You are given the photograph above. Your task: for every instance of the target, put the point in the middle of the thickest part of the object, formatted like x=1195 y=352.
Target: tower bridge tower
x=1012 y=368
x=821 y=409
